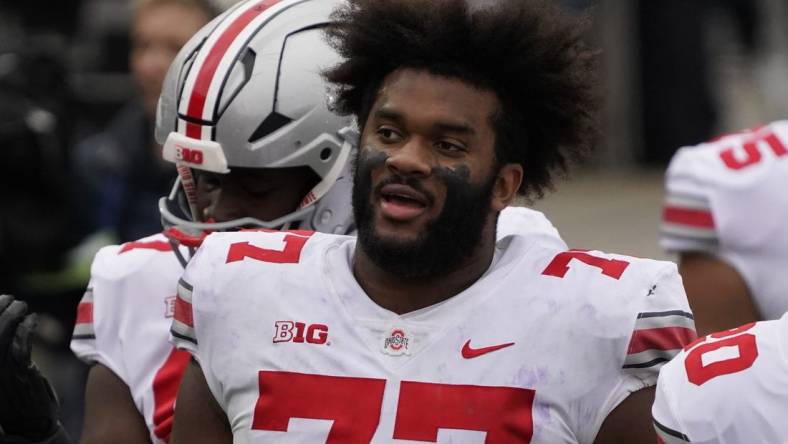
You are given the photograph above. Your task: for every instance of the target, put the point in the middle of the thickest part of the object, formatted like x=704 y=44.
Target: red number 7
x=503 y=412
x=559 y=266
x=353 y=403
x=294 y=243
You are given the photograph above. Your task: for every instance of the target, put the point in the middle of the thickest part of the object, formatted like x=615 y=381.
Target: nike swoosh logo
x=470 y=353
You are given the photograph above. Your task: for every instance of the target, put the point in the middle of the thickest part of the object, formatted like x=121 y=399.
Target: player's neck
x=401 y=295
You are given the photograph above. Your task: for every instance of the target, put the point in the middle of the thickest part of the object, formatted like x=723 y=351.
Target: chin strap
x=179 y=237
x=187 y=239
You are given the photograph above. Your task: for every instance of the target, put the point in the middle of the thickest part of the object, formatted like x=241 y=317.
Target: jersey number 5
x=354 y=405
x=751 y=155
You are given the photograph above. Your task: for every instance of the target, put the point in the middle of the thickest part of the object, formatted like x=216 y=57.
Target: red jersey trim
x=692 y=217
x=152 y=245
x=85 y=313
x=666 y=338
x=183 y=312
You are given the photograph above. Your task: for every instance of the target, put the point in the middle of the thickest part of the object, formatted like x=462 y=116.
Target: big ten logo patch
x=189 y=155
x=299 y=332
x=396 y=343
x=169 y=306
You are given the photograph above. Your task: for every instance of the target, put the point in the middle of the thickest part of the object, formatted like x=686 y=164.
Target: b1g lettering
x=289 y=331
x=188 y=155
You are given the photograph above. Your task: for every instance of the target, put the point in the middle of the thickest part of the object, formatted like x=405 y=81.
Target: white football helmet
x=247 y=91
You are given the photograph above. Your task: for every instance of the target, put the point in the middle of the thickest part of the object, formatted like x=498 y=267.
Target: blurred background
x=79 y=167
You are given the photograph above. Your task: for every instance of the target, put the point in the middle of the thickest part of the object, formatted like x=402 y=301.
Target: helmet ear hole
x=325 y=154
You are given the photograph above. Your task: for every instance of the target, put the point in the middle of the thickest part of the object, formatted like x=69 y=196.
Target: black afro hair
x=529 y=52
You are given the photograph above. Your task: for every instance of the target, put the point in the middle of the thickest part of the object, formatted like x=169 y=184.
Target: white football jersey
x=538 y=350
x=729 y=387
x=122 y=323
x=729 y=198
x=126 y=312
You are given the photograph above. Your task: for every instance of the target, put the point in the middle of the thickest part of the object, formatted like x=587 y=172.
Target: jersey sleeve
x=182 y=332
x=688 y=222
x=663 y=326
x=95 y=336
x=641 y=320
x=666 y=425
x=202 y=308
x=656 y=324
x=197 y=304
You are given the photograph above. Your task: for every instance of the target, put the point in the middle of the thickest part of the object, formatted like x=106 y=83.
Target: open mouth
x=401 y=202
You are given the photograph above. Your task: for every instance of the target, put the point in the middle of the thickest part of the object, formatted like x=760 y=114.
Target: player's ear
x=506 y=185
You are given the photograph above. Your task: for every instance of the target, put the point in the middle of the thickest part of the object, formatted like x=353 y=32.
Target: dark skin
x=261 y=193
x=195 y=401
x=718 y=296
x=422 y=124
x=110 y=408
x=408 y=123
x=265 y=194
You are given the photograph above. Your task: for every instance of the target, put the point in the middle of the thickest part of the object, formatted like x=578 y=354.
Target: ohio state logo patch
x=396 y=342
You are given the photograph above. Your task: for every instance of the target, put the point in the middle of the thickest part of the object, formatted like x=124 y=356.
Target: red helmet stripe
x=212 y=61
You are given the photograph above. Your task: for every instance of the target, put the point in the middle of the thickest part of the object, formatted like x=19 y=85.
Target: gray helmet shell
x=247 y=91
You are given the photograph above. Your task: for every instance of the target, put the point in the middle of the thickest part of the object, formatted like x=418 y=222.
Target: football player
x=726 y=388
x=256 y=146
x=725 y=214
x=244 y=114
x=426 y=328
x=287 y=160
x=286 y=166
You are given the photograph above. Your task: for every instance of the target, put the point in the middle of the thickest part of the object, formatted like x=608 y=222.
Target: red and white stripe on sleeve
x=83 y=328
x=687 y=220
x=658 y=337
x=182 y=328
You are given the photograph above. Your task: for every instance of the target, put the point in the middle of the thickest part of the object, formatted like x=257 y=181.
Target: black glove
x=28 y=405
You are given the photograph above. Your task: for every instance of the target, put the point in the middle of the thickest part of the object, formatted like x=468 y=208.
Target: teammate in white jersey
x=428 y=329
x=727 y=388
x=256 y=146
x=725 y=213
x=126 y=312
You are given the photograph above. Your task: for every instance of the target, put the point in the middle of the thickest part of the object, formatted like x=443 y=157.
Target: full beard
x=447 y=241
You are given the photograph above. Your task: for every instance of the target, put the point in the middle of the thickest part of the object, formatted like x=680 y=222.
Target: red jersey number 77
x=354 y=405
